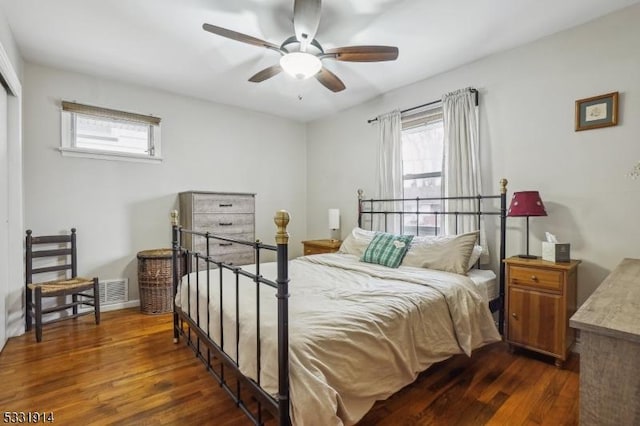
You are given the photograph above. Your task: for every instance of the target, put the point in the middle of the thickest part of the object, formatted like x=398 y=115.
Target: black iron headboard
x=404 y=210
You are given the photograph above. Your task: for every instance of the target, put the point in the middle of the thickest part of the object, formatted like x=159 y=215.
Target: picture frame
x=597 y=111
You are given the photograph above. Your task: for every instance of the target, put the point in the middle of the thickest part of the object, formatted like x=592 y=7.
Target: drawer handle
x=226 y=205
x=514 y=315
x=225 y=223
x=534 y=278
x=225 y=244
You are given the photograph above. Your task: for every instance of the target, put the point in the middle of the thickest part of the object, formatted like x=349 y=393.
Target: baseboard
x=122 y=305
x=18 y=330
x=114 y=306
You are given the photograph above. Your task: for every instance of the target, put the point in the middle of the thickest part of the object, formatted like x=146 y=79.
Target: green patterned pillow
x=387 y=249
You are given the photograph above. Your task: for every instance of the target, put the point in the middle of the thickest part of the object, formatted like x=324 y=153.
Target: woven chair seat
x=62 y=285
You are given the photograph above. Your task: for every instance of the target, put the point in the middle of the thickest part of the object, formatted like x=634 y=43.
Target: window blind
x=109 y=113
x=421 y=117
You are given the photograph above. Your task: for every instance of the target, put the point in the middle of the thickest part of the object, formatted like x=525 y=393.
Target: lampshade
x=300 y=65
x=334 y=218
x=526 y=203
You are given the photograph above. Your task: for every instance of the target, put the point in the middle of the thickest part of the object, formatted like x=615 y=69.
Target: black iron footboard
x=245 y=392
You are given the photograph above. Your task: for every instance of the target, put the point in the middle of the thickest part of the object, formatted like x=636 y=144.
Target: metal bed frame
x=379 y=207
x=208 y=350
x=278 y=406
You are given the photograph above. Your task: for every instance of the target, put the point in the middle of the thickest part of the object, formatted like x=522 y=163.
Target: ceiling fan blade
x=266 y=73
x=234 y=35
x=306 y=18
x=330 y=80
x=363 y=53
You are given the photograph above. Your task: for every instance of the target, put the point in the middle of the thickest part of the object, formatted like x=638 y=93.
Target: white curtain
x=461 y=163
x=389 y=171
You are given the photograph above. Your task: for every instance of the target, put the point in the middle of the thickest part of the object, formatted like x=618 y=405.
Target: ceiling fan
x=302 y=55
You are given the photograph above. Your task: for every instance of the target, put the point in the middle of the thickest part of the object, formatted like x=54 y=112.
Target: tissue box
x=556 y=252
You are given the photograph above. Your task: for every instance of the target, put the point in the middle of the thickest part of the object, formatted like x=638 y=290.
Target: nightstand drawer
x=317 y=250
x=320 y=246
x=536 y=277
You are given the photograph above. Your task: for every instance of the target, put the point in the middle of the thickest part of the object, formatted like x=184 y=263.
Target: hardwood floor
x=128 y=371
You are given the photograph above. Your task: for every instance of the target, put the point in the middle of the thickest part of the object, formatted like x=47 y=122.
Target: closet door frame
x=14 y=288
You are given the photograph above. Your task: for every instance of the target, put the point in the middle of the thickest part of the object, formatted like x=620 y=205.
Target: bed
x=318 y=339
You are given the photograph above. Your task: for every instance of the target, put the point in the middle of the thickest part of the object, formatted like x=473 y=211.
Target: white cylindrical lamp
x=334 y=223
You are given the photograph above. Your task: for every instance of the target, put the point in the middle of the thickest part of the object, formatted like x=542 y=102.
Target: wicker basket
x=155 y=281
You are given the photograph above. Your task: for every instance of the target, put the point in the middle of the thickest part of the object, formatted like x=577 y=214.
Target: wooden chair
x=62 y=258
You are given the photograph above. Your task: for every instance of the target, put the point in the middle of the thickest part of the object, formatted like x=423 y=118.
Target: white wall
x=8 y=43
x=527 y=100
x=120 y=208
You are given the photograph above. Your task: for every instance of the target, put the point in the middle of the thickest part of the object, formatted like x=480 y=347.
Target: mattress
x=487 y=283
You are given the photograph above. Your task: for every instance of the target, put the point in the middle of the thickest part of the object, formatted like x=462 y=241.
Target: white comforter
x=357 y=332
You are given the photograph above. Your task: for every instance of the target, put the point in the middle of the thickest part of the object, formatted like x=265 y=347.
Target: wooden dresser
x=320 y=246
x=220 y=213
x=609 y=324
x=541 y=296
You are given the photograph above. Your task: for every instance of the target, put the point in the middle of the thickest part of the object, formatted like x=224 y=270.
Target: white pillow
x=421 y=250
x=450 y=253
x=357 y=242
x=475 y=256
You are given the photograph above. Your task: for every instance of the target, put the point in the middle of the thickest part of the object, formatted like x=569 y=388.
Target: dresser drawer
x=222 y=203
x=237 y=259
x=536 y=278
x=220 y=246
x=224 y=223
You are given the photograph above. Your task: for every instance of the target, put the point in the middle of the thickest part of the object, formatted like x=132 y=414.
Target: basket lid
x=160 y=253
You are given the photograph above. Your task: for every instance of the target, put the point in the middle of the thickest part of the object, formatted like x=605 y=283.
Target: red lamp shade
x=526 y=203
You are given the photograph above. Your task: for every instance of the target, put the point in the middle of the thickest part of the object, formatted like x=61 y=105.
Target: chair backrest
x=65 y=252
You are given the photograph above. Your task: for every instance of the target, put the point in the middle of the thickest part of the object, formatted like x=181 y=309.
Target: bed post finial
x=503 y=185
x=174 y=217
x=360 y=194
x=281 y=220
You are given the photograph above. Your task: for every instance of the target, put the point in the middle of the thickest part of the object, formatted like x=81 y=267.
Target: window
x=422 y=150
x=96 y=132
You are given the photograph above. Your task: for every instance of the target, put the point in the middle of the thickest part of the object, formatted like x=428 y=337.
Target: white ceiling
x=161 y=43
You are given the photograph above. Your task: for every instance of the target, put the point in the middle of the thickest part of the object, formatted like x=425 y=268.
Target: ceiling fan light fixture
x=300 y=65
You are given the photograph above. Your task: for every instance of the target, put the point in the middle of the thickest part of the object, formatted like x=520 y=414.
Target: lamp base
x=527 y=256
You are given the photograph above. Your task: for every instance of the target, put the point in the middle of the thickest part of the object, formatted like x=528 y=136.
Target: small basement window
x=95 y=132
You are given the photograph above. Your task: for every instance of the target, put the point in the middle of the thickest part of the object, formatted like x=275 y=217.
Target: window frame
x=69 y=113
x=417 y=119
x=423 y=117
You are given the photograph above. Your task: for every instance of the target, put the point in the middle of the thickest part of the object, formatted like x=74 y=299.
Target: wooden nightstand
x=540 y=299
x=321 y=246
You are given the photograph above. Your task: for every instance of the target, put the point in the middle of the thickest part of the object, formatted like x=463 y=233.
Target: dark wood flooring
x=128 y=371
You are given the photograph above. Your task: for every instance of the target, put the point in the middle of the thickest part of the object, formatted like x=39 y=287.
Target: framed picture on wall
x=596 y=112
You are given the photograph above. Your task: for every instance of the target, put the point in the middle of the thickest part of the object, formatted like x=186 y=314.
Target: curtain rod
x=475 y=91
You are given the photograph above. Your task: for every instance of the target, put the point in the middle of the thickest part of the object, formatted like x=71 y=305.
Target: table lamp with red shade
x=526 y=203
